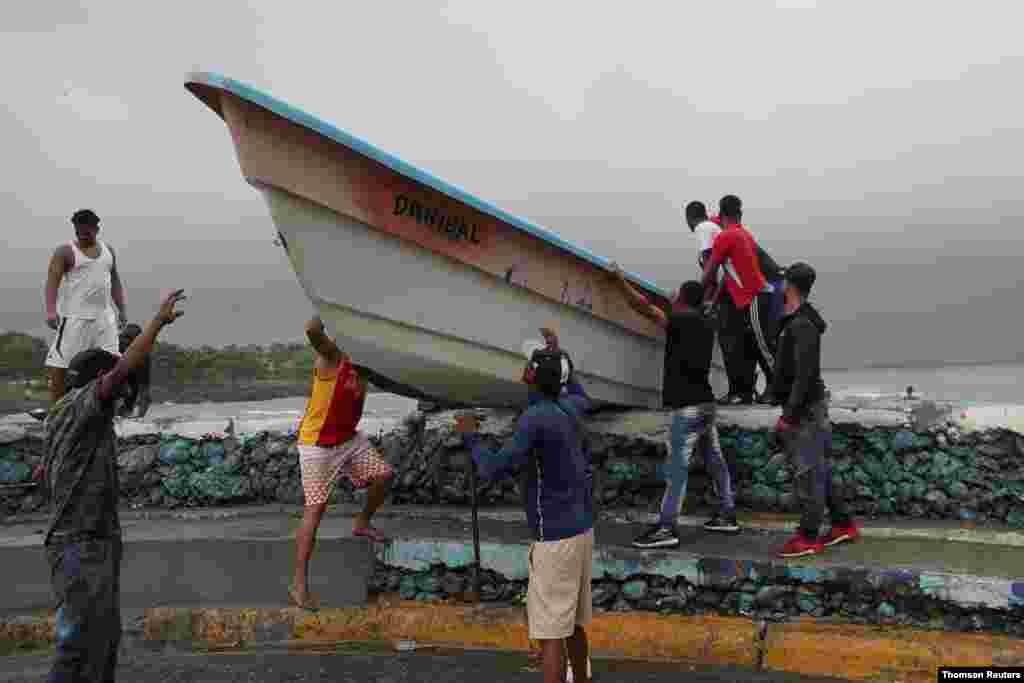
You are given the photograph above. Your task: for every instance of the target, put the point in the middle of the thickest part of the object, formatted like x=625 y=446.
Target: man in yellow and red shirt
x=331 y=447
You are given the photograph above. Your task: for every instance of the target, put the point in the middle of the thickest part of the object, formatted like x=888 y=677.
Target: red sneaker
x=841 y=534
x=799 y=545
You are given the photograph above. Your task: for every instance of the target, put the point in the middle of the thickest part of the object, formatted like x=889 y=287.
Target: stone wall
x=776 y=596
x=884 y=470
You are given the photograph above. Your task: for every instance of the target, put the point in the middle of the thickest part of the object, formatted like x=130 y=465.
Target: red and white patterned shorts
x=356 y=459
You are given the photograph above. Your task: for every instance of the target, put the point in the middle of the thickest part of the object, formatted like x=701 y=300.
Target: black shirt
x=689 y=340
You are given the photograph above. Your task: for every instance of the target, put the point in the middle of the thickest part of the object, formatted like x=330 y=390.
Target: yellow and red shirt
x=335 y=406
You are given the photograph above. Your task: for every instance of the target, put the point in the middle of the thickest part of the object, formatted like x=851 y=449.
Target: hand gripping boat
x=429 y=288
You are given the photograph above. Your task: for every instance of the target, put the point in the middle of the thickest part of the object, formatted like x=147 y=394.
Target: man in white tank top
x=85 y=303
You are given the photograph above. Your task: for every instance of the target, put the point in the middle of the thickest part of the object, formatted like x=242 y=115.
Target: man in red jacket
x=750 y=295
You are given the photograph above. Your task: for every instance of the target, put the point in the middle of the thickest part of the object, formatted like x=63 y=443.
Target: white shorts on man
x=81 y=334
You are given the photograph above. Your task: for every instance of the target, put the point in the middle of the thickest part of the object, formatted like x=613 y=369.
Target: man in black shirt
x=804 y=425
x=136 y=403
x=686 y=390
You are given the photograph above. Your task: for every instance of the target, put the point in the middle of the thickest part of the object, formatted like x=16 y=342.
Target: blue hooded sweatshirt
x=559 y=479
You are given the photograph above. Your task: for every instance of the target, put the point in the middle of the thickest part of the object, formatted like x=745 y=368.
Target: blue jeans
x=691 y=427
x=807 y=448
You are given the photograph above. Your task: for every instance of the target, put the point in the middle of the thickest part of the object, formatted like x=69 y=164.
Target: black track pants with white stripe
x=761 y=335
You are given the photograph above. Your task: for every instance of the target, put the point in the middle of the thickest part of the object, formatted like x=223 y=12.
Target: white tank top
x=85 y=289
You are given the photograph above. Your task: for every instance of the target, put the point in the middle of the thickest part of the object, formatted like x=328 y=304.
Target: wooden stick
x=476 y=530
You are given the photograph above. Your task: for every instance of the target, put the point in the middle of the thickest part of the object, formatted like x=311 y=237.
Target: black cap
x=87 y=365
x=801 y=276
x=85 y=217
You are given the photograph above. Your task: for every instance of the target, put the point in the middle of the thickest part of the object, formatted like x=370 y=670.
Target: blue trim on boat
x=250 y=94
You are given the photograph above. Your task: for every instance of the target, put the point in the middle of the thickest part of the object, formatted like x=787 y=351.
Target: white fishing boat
x=428 y=287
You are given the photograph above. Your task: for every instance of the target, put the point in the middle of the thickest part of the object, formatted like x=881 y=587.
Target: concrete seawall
x=888 y=463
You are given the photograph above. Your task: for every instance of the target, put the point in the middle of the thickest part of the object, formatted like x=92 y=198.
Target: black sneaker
x=767 y=399
x=39 y=414
x=737 y=400
x=658 y=537
x=724 y=524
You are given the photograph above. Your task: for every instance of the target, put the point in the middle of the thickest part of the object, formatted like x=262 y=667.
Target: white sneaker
x=568 y=672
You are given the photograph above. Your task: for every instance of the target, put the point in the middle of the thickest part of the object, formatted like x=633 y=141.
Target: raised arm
x=60 y=262
x=117 y=290
x=135 y=355
x=638 y=301
x=321 y=343
x=493 y=466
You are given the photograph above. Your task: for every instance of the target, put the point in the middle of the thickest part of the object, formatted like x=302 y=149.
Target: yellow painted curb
x=34 y=630
x=710 y=640
x=882 y=653
x=870 y=653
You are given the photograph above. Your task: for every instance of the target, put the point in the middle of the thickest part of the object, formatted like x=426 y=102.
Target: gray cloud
x=875 y=139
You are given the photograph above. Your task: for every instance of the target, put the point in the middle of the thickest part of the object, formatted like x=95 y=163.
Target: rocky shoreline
x=884 y=469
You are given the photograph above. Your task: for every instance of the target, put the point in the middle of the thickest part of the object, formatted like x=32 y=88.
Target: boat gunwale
x=299 y=117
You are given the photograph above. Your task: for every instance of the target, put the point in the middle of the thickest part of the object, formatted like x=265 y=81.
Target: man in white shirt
x=85 y=302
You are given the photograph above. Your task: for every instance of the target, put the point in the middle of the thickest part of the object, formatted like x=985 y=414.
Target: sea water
x=987 y=395
x=382 y=412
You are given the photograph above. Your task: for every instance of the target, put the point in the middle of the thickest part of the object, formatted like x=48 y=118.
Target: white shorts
x=75 y=335
x=558 y=597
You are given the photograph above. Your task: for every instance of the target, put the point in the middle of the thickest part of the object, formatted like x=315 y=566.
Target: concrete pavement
x=216 y=578
x=243 y=556
x=352 y=664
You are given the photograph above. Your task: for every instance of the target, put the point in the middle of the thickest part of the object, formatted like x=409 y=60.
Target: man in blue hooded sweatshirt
x=548 y=443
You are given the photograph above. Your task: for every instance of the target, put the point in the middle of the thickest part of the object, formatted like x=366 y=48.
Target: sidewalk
x=969 y=567
x=217 y=577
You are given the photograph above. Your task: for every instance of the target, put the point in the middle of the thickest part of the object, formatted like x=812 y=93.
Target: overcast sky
x=879 y=141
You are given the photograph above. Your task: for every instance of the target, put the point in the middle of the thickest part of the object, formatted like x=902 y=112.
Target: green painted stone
x=635 y=590
x=840 y=442
x=886 y=611
x=765 y=495
x=860 y=476
x=1016 y=518
x=875 y=470
x=886 y=506
x=922 y=441
x=178 y=486
x=878 y=442
x=963 y=452
x=407 y=588
x=956 y=489
x=746 y=602
x=808 y=603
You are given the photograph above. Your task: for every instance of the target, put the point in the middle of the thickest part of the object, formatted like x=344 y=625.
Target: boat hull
x=429 y=288
x=442 y=331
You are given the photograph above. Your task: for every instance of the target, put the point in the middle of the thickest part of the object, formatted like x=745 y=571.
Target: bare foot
x=302 y=599
x=372 y=533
